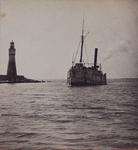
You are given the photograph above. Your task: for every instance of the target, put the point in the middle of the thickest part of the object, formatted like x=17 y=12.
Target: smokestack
x=95 y=58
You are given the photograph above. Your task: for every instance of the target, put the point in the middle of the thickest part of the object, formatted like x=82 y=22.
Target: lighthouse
x=11 y=70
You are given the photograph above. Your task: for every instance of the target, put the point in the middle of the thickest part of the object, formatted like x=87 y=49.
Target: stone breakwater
x=19 y=79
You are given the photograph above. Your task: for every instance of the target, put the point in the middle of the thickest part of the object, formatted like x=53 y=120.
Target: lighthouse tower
x=11 y=70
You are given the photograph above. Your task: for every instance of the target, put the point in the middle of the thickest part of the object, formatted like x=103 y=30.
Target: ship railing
x=91 y=64
x=88 y=64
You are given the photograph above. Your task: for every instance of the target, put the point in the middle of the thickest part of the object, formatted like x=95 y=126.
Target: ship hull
x=85 y=77
x=72 y=83
x=88 y=83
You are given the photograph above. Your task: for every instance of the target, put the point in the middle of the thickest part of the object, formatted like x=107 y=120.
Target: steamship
x=84 y=74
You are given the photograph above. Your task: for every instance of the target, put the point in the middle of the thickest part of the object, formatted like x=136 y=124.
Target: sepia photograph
x=68 y=74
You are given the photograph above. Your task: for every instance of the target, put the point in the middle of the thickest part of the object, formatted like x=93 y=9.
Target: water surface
x=53 y=115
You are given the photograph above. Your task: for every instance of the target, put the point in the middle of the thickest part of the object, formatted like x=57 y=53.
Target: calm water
x=52 y=115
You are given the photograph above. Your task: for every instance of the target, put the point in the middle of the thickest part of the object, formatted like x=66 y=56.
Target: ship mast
x=82 y=41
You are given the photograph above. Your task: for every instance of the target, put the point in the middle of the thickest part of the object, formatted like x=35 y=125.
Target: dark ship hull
x=79 y=75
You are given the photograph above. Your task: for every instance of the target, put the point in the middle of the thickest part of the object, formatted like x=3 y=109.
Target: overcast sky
x=47 y=32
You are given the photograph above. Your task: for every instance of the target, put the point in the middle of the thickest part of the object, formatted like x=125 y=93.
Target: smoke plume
x=123 y=47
